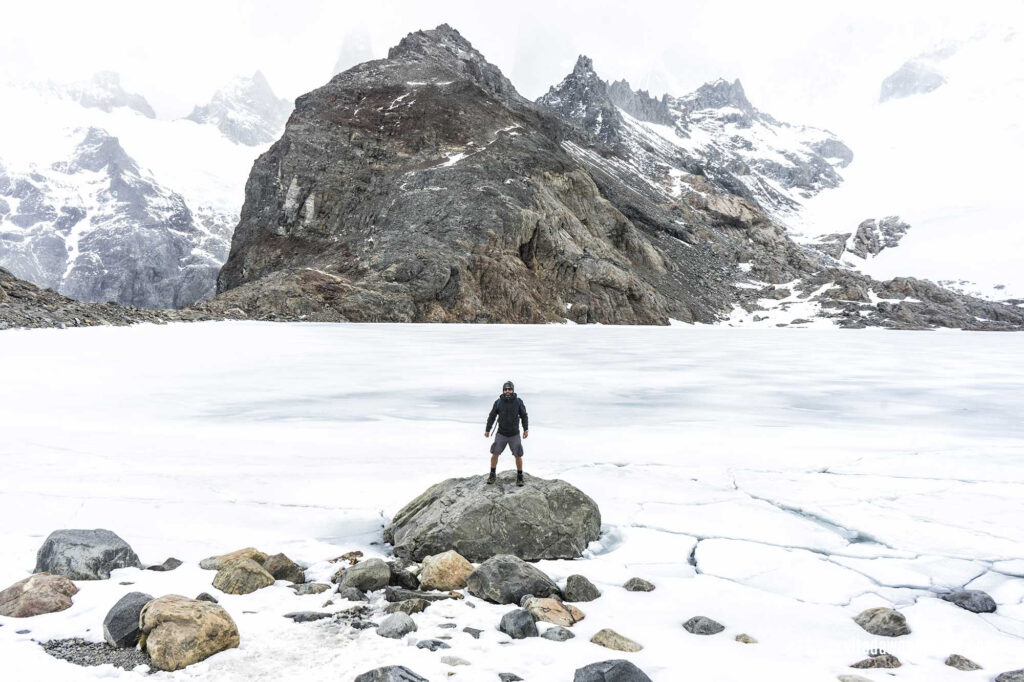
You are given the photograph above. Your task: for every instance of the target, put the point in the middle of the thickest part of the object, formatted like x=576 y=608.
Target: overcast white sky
x=804 y=61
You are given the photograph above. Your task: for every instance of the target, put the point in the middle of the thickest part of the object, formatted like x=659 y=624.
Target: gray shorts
x=514 y=443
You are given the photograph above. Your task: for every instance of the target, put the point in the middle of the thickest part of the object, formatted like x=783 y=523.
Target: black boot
x=491 y=478
x=519 y=479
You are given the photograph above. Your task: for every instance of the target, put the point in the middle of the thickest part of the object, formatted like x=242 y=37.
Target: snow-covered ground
x=945 y=162
x=810 y=473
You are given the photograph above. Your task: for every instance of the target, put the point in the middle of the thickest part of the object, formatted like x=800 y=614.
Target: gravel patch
x=81 y=652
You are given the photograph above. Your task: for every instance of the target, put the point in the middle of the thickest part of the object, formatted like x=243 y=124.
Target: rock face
x=37 y=594
x=245 y=111
x=84 y=554
x=242 y=576
x=610 y=639
x=446 y=571
x=974 y=601
x=180 y=631
x=121 y=624
x=610 y=671
x=366 y=576
x=578 y=588
x=524 y=233
x=518 y=624
x=546 y=519
x=883 y=621
x=570 y=208
x=506 y=579
x=872 y=236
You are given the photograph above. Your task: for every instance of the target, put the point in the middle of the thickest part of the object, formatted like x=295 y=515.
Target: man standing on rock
x=508 y=410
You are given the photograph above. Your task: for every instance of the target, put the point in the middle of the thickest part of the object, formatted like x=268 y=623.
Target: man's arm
x=525 y=417
x=490 y=419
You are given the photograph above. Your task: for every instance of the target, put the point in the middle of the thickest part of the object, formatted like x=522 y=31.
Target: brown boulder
x=553 y=611
x=446 y=571
x=214 y=563
x=242 y=576
x=283 y=568
x=178 y=631
x=610 y=639
x=37 y=594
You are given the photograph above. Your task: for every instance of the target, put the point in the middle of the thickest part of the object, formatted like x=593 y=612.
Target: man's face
x=507 y=390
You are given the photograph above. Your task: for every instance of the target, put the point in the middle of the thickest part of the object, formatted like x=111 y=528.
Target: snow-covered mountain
x=103 y=91
x=246 y=111
x=100 y=201
x=937 y=146
x=97 y=227
x=713 y=134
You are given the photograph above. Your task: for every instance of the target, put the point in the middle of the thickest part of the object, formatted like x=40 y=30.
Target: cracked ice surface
x=778 y=481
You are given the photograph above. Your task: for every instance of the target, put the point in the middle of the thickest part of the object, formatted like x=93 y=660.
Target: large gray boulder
x=974 y=601
x=84 y=554
x=578 y=588
x=545 y=519
x=506 y=579
x=518 y=624
x=619 y=670
x=121 y=624
x=366 y=576
x=396 y=626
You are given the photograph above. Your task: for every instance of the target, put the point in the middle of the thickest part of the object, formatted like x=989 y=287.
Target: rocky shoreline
x=387 y=595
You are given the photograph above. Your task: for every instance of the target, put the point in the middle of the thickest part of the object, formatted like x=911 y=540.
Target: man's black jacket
x=508 y=409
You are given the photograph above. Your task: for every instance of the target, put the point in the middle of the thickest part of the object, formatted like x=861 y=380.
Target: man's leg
x=494 y=460
x=519 y=464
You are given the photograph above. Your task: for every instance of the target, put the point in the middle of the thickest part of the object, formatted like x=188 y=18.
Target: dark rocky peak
x=717 y=95
x=583 y=97
x=445 y=47
x=104 y=91
x=100 y=150
x=639 y=104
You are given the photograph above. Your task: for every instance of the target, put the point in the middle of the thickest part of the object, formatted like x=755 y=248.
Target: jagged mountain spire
x=583 y=97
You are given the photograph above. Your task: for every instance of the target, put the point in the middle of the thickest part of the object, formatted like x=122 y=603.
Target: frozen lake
x=809 y=474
